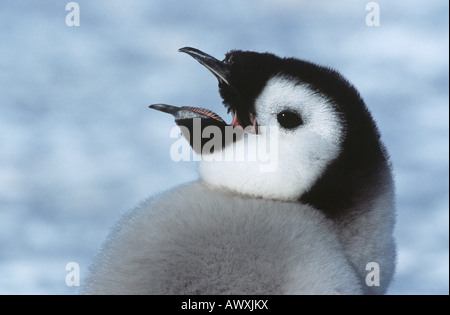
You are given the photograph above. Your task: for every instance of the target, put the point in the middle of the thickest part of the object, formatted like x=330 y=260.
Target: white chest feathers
x=279 y=163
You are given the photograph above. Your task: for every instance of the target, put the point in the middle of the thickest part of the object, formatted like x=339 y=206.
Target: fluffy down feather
x=218 y=243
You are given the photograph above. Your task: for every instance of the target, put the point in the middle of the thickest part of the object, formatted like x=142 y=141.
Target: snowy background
x=78 y=145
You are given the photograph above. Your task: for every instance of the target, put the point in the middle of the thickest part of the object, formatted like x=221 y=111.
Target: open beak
x=221 y=70
x=241 y=118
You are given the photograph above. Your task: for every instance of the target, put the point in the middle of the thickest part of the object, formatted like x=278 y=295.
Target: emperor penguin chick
x=308 y=220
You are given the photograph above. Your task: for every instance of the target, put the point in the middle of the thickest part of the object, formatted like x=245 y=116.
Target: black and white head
x=327 y=146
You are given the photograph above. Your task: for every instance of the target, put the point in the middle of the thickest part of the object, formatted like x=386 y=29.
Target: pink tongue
x=209 y=113
x=235 y=122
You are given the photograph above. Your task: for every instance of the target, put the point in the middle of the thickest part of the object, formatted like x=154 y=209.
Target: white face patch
x=301 y=154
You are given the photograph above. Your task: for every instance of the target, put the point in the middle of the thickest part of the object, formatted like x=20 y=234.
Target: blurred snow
x=78 y=145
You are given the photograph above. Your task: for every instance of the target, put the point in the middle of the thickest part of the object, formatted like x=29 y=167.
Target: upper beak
x=221 y=70
x=217 y=67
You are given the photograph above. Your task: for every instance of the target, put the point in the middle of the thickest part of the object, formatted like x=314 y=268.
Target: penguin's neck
x=351 y=181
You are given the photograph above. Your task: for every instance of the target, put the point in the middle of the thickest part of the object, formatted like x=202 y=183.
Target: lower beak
x=185 y=117
x=186 y=112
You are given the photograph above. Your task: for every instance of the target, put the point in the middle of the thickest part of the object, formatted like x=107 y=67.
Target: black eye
x=289 y=120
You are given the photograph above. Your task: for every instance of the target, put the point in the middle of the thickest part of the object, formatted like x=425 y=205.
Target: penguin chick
x=328 y=161
x=328 y=150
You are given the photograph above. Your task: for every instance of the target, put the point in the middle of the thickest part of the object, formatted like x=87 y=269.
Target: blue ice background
x=78 y=145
